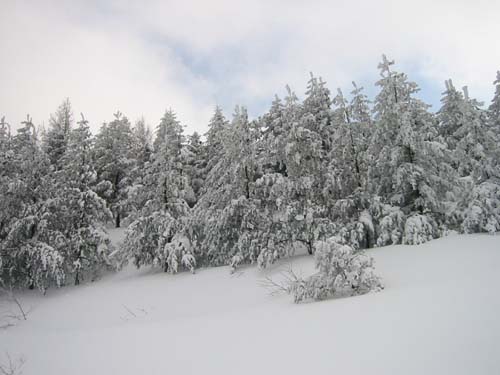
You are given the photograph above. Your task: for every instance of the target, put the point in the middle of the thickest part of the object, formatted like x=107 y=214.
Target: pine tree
x=30 y=252
x=346 y=171
x=141 y=155
x=155 y=236
x=274 y=139
x=170 y=165
x=79 y=213
x=57 y=136
x=223 y=220
x=409 y=168
x=6 y=152
x=214 y=145
x=347 y=167
x=196 y=165
x=141 y=143
x=494 y=108
x=476 y=160
x=475 y=141
x=5 y=136
x=316 y=111
x=113 y=162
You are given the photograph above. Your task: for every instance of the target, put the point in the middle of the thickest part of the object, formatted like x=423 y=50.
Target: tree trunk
x=117 y=220
x=247 y=184
x=309 y=247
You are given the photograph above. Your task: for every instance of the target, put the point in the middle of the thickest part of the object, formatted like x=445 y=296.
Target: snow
x=116 y=235
x=438 y=314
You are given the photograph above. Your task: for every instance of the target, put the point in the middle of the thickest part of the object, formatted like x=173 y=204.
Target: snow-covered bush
x=31 y=262
x=390 y=226
x=188 y=261
x=419 y=229
x=482 y=211
x=236 y=260
x=341 y=272
x=146 y=238
x=177 y=253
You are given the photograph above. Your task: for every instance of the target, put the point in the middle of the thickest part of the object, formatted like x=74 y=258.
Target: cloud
x=49 y=56
x=142 y=57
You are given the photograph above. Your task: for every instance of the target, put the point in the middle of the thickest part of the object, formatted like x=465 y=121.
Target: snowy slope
x=439 y=314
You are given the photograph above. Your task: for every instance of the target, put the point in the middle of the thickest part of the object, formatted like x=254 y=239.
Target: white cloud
x=144 y=56
x=47 y=57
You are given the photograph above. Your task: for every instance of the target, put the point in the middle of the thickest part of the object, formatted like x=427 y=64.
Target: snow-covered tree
x=476 y=142
x=155 y=235
x=195 y=159
x=5 y=135
x=113 y=162
x=316 y=111
x=494 y=108
x=225 y=218
x=170 y=165
x=482 y=208
x=30 y=252
x=141 y=143
x=325 y=174
x=391 y=104
x=450 y=115
x=347 y=167
x=57 y=136
x=410 y=166
x=78 y=212
x=217 y=128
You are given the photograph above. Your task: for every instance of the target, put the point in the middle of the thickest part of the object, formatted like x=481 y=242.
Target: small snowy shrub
x=341 y=272
x=419 y=229
x=46 y=266
x=236 y=260
x=147 y=238
x=178 y=253
x=188 y=261
x=390 y=228
x=482 y=213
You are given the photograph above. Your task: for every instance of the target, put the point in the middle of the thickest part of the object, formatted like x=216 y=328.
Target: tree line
x=250 y=191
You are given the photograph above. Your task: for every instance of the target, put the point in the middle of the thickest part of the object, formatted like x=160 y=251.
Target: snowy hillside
x=437 y=315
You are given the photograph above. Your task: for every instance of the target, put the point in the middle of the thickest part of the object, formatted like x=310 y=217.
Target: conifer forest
x=332 y=175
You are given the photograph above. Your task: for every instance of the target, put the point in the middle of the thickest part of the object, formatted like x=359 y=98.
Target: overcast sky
x=146 y=56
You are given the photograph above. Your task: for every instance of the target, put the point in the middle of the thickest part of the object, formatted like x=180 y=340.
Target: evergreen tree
x=408 y=167
x=79 y=213
x=30 y=252
x=476 y=160
x=141 y=143
x=494 y=108
x=6 y=152
x=57 y=136
x=346 y=173
x=348 y=167
x=155 y=236
x=113 y=162
x=475 y=142
x=214 y=145
x=141 y=155
x=316 y=111
x=196 y=164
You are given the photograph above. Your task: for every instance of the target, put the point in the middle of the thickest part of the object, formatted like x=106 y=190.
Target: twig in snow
x=12 y=367
x=129 y=311
x=20 y=312
x=277 y=287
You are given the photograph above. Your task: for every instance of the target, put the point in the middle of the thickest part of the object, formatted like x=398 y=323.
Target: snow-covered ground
x=439 y=314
